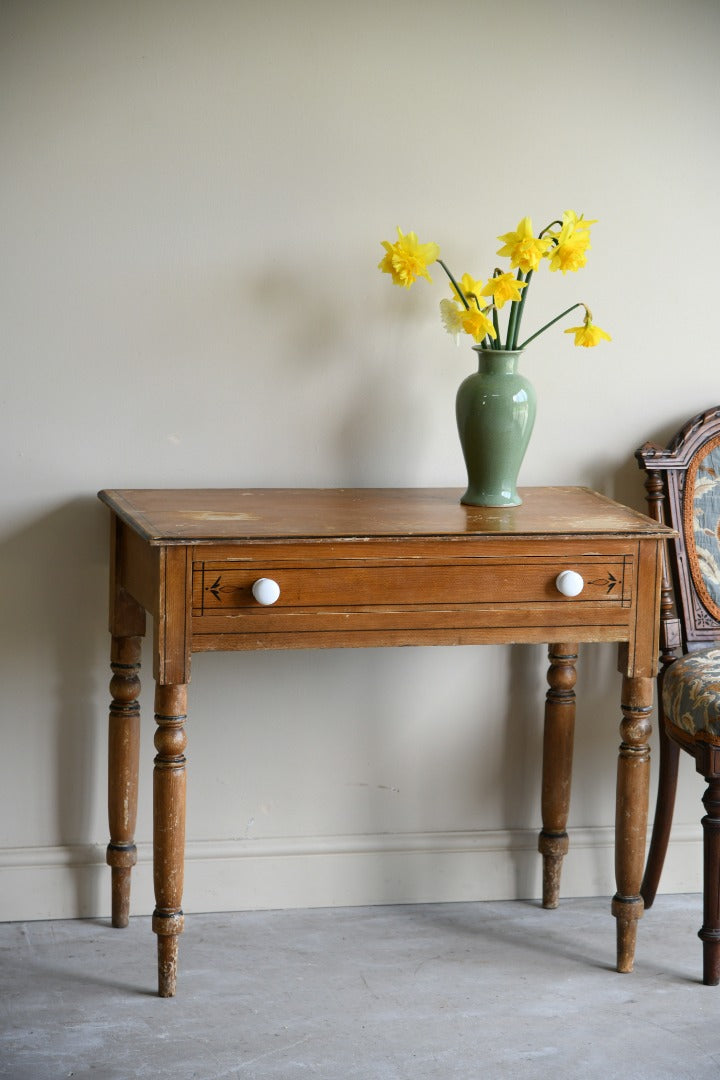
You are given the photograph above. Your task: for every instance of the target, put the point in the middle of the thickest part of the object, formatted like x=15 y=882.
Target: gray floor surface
x=452 y=991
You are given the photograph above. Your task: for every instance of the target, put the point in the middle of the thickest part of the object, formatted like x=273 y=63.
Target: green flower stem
x=512 y=319
x=496 y=324
x=548 y=325
x=519 y=313
x=457 y=288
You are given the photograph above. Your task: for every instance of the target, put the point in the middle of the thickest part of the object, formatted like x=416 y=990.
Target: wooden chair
x=683 y=491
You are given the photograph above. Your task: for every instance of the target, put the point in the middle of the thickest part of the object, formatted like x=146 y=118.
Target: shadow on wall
x=482 y=736
x=523 y=746
x=626 y=483
x=376 y=405
x=53 y=638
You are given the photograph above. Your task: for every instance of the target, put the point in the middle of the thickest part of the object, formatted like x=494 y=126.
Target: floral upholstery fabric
x=705 y=527
x=691 y=693
x=691 y=688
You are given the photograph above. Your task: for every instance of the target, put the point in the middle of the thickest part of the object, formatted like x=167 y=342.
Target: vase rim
x=496 y=352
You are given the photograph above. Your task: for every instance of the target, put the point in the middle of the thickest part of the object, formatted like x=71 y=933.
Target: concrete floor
x=488 y=991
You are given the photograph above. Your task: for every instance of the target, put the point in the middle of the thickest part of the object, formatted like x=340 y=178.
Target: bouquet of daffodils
x=473 y=306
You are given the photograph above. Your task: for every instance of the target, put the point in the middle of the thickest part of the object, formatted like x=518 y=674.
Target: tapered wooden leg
x=631 y=814
x=710 y=931
x=123 y=764
x=664 y=807
x=169 y=830
x=557 y=767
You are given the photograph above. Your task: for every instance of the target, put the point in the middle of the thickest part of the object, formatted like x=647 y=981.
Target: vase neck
x=498 y=361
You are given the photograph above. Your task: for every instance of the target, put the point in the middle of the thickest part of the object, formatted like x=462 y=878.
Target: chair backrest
x=683 y=491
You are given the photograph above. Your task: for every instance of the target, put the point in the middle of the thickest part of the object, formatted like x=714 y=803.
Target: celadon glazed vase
x=495 y=410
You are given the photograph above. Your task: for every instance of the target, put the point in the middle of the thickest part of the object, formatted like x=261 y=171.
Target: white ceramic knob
x=569 y=583
x=266 y=591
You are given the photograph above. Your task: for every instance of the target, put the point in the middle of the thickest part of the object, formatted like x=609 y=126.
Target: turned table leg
x=633 y=785
x=557 y=767
x=123 y=764
x=169 y=830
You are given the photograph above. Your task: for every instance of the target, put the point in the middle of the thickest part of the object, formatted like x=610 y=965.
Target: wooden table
x=374 y=567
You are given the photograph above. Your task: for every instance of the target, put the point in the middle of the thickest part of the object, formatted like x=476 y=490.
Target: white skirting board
x=236 y=875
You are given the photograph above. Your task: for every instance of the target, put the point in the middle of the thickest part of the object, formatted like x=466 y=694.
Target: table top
x=168 y=516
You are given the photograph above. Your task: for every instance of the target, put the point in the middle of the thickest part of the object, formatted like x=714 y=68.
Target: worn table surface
x=189 y=515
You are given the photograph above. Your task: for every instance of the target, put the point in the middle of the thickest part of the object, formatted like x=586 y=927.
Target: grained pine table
x=298 y=569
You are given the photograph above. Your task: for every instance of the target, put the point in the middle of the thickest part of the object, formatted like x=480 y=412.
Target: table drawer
x=226 y=588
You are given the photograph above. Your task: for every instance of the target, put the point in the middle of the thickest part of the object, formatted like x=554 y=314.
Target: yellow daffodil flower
x=469 y=286
x=565 y=243
x=451 y=315
x=407 y=259
x=503 y=287
x=572 y=243
x=571 y=253
x=523 y=249
x=571 y=223
x=588 y=335
x=477 y=324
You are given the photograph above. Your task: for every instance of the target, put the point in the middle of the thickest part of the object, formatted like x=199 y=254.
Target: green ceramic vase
x=495 y=410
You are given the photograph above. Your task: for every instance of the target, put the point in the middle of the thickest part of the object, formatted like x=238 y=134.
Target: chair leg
x=667 y=788
x=710 y=932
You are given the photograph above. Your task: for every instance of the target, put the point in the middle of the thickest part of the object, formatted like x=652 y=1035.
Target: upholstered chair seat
x=691 y=694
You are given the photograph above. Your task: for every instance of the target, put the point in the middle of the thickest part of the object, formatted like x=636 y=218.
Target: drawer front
x=225 y=588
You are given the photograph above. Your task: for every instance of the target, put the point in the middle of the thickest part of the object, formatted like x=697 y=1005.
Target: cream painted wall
x=193 y=196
